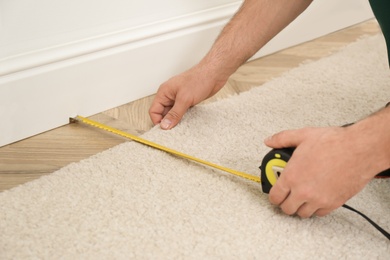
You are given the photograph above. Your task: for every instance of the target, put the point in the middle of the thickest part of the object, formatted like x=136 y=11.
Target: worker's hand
x=178 y=94
x=329 y=166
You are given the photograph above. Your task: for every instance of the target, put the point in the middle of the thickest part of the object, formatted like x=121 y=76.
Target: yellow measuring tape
x=163 y=148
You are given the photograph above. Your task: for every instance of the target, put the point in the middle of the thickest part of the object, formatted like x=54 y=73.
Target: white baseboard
x=40 y=90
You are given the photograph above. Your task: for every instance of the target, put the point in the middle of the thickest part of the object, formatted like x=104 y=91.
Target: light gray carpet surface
x=134 y=202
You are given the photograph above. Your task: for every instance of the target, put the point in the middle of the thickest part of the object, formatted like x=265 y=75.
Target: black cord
x=384 y=232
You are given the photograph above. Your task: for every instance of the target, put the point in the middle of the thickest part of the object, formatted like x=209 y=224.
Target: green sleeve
x=381 y=9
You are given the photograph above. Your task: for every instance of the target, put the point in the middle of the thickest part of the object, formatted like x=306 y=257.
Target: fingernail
x=165 y=123
x=267 y=139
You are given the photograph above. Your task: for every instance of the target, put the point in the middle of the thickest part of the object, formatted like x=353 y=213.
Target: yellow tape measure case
x=272 y=166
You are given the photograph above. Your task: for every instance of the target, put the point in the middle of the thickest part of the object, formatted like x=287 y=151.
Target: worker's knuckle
x=290 y=179
x=323 y=202
x=305 y=194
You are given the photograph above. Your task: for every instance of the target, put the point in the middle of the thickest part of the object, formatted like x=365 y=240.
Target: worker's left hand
x=328 y=167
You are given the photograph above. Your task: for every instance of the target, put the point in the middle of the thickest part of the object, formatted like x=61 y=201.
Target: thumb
x=285 y=139
x=174 y=115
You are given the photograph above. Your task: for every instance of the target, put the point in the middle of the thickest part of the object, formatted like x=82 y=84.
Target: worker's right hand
x=178 y=94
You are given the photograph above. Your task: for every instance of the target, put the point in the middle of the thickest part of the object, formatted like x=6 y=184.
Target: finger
x=278 y=193
x=306 y=210
x=322 y=212
x=157 y=111
x=291 y=205
x=174 y=115
x=287 y=138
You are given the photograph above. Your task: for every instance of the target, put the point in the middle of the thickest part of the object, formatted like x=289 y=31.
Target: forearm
x=372 y=137
x=257 y=22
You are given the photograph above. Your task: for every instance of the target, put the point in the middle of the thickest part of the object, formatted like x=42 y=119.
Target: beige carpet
x=134 y=202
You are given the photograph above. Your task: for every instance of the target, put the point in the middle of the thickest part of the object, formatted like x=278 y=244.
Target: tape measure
x=162 y=148
x=272 y=166
x=276 y=160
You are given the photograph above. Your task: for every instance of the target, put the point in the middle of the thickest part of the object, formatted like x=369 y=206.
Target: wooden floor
x=42 y=154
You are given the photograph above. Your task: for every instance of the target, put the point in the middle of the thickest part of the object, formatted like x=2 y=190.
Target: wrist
x=210 y=72
x=372 y=139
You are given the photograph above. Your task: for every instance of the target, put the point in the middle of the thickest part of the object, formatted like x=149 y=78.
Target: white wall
x=62 y=58
x=39 y=25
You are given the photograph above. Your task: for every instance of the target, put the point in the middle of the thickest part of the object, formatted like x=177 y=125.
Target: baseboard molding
x=140 y=35
x=40 y=90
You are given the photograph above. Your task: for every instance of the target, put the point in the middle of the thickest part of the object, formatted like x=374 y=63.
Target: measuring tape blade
x=163 y=148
